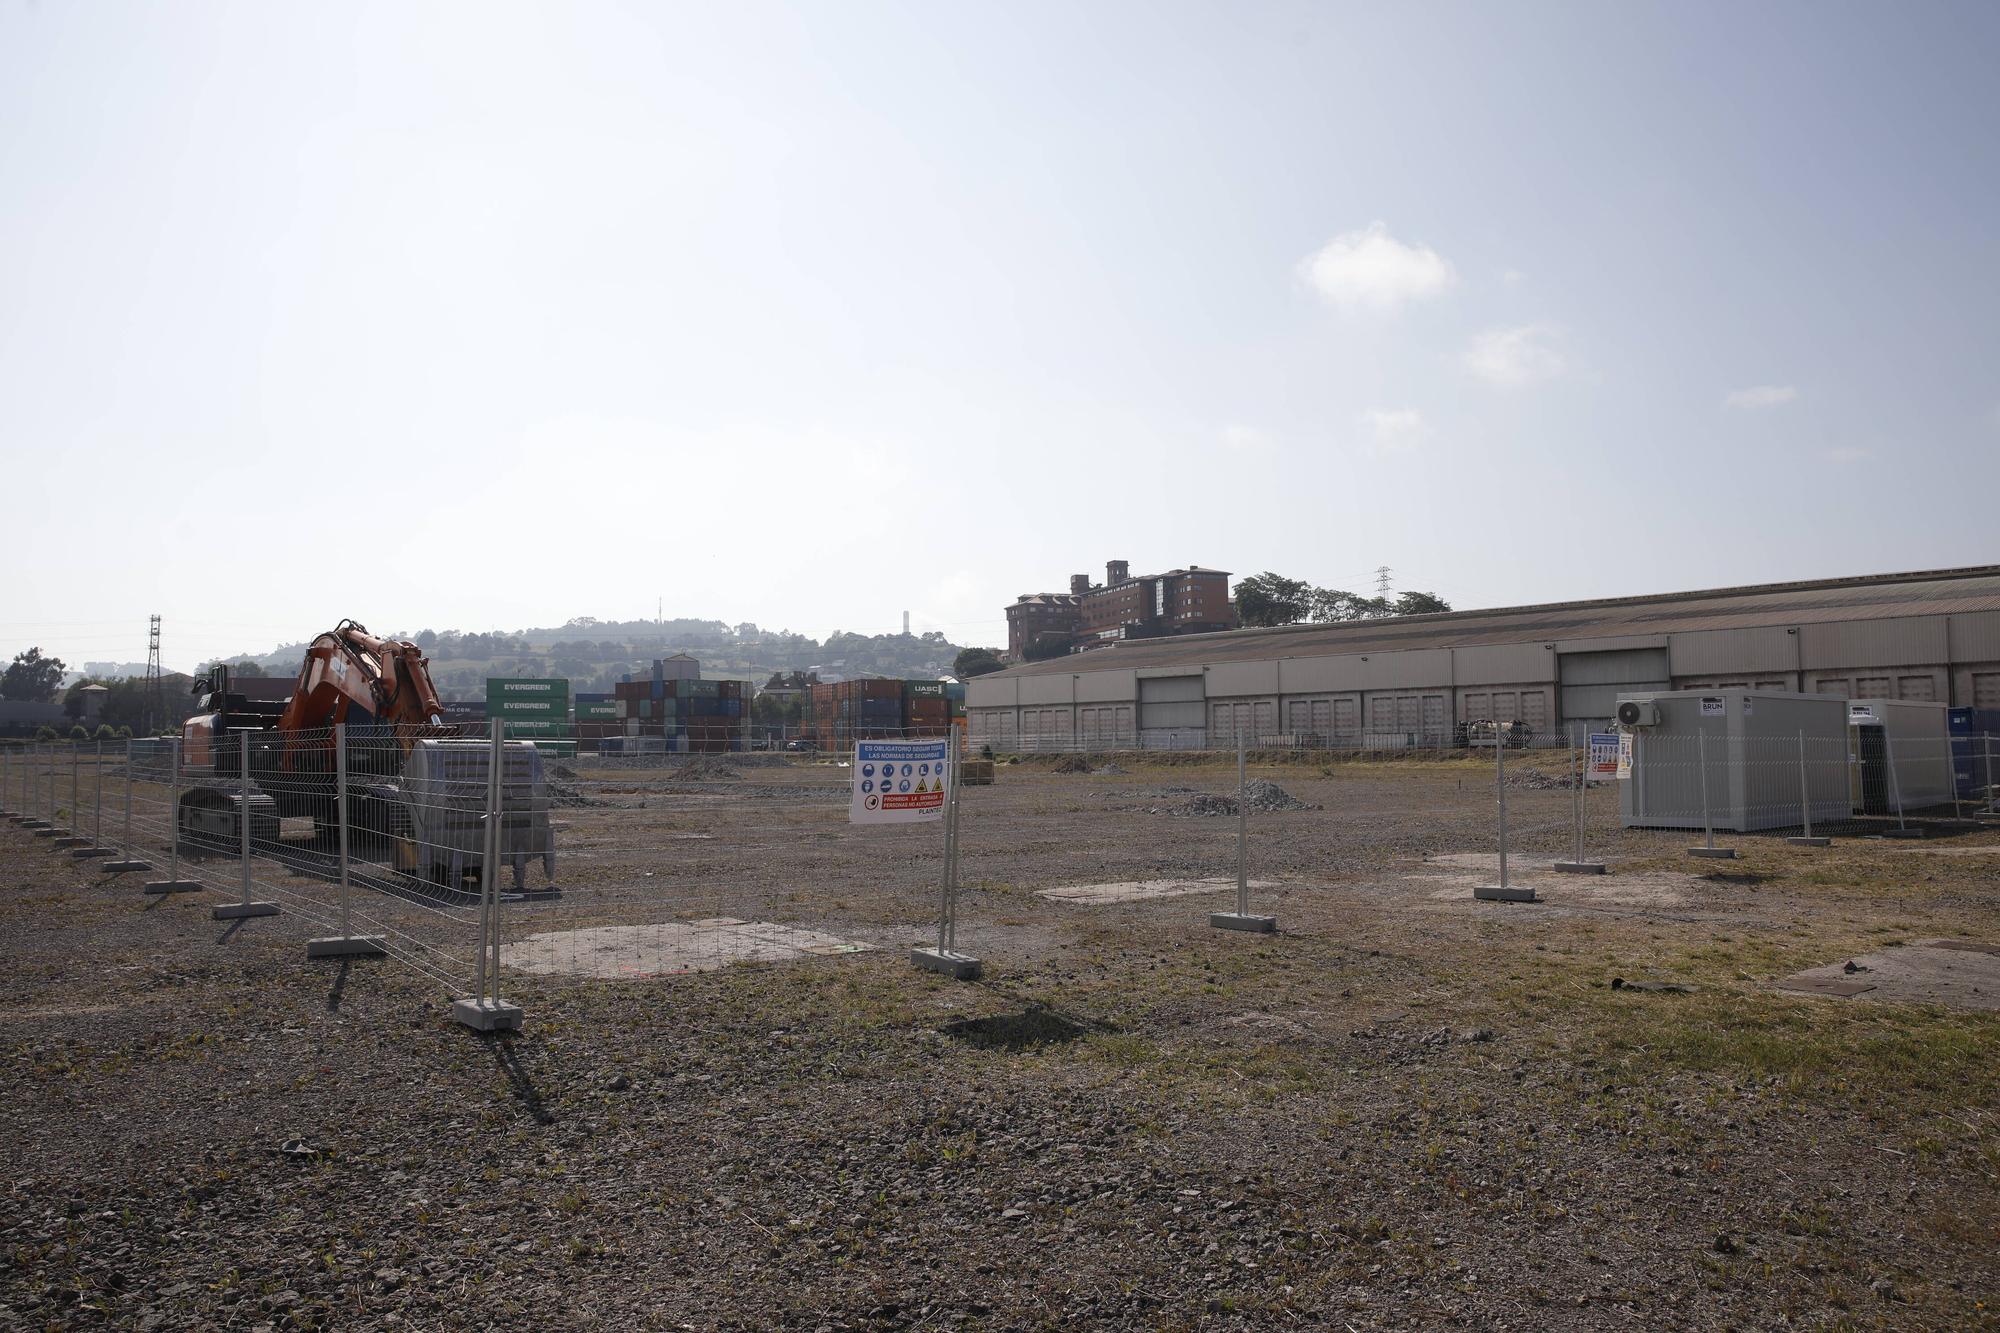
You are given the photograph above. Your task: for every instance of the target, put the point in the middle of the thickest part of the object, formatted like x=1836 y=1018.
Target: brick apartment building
x=1181 y=601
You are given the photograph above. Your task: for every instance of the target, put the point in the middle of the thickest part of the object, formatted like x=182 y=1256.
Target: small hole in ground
x=1014 y=1032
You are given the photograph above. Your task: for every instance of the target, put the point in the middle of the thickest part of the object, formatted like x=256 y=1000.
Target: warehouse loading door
x=1169 y=702
x=1591 y=682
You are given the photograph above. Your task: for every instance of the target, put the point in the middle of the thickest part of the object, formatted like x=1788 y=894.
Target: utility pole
x=1382 y=580
x=156 y=695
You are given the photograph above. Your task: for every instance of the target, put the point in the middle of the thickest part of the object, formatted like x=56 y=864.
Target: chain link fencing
x=470 y=858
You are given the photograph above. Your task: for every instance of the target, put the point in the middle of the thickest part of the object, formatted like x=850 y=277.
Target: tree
x=1045 y=646
x=1421 y=604
x=972 y=662
x=32 y=677
x=1267 y=599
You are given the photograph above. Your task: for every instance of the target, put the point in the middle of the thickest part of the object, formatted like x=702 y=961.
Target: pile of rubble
x=1260 y=795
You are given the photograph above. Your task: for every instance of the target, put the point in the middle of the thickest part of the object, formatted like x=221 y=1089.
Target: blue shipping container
x=1972 y=754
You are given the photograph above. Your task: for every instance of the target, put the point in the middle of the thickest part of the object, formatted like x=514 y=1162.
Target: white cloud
x=1512 y=277
x=1394 y=430
x=1242 y=438
x=1371 y=268
x=1515 y=357
x=1761 y=395
x=1849 y=453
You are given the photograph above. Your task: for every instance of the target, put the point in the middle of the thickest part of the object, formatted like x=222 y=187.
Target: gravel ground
x=1405 y=1110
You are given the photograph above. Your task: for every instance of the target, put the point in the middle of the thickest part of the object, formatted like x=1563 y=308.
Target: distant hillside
x=593 y=654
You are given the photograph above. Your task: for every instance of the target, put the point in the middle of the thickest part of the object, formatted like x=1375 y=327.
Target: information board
x=1603 y=762
x=896 y=782
x=1624 y=755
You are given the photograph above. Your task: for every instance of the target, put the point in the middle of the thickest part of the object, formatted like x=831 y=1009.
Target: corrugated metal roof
x=1871 y=597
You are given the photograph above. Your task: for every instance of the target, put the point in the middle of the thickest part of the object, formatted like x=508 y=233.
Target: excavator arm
x=348 y=671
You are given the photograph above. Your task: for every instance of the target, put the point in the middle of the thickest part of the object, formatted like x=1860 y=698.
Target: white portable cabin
x=1768 y=754
x=1902 y=755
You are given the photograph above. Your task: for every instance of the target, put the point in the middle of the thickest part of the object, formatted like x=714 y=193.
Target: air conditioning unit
x=1638 y=713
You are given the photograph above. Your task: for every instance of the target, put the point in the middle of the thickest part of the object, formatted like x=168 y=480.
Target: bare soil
x=1406 y=1110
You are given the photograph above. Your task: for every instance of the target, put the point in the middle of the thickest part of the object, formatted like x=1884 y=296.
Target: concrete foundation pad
x=957 y=966
x=238 y=911
x=348 y=946
x=1580 y=867
x=1144 y=890
x=1814 y=841
x=1513 y=893
x=124 y=867
x=1961 y=973
x=487 y=1015
x=1714 y=853
x=157 y=886
x=1904 y=833
x=90 y=853
x=1260 y=925
x=671 y=948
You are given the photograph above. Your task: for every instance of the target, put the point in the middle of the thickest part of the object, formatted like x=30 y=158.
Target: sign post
x=1591 y=756
x=1708 y=848
x=346 y=944
x=1241 y=919
x=916 y=782
x=173 y=883
x=1805 y=837
x=243 y=907
x=1503 y=892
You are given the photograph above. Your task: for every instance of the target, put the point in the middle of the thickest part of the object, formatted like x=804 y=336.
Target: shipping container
x=1975 y=752
x=508 y=696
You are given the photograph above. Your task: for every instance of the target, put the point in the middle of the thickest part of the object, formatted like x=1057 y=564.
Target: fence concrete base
x=1513 y=893
x=65 y=844
x=124 y=867
x=957 y=966
x=1814 y=841
x=49 y=831
x=1714 y=853
x=487 y=1015
x=91 y=853
x=157 y=886
x=348 y=946
x=1904 y=833
x=1261 y=925
x=1580 y=867
x=238 y=911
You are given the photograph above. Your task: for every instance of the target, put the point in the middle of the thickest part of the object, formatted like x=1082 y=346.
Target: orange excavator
x=381 y=689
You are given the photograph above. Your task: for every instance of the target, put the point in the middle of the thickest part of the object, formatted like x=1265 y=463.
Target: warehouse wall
x=1419 y=696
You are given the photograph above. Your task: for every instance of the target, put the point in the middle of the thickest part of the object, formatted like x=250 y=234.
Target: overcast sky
x=486 y=316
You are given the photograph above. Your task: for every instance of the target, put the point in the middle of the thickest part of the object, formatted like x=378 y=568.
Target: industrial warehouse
x=1418 y=681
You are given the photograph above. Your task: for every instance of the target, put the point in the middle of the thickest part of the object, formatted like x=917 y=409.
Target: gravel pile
x=1533 y=779
x=1261 y=795
x=1264 y=795
x=702 y=768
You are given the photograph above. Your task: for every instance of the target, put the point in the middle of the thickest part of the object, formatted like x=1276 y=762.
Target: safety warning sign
x=899 y=781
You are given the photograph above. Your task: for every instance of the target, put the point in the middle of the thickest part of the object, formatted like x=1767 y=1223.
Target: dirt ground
x=1404 y=1110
